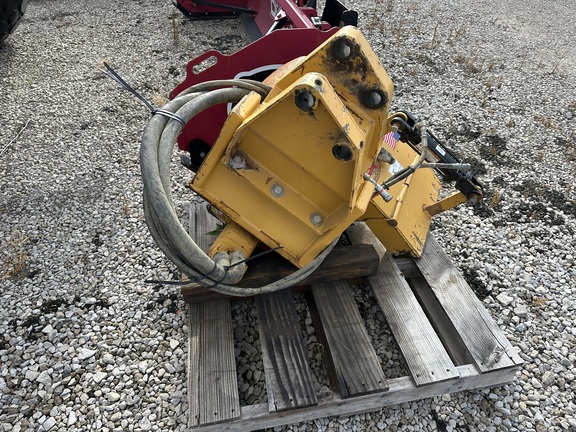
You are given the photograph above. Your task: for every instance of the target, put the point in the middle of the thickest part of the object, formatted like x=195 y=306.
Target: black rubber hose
x=171 y=237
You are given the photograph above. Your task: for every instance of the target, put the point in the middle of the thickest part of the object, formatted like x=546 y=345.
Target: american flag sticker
x=391 y=138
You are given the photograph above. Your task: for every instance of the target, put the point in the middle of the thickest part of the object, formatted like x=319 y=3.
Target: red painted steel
x=265 y=54
x=283 y=29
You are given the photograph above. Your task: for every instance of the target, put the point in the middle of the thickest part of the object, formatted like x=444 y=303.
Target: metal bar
x=294 y=14
x=237 y=9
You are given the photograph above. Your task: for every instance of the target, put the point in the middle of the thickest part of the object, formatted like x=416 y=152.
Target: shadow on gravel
x=539 y=203
x=473 y=279
x=492 y=152
x=35 y=322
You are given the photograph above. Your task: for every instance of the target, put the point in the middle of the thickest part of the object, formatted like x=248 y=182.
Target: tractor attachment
x=262 y=17
x=294 y=160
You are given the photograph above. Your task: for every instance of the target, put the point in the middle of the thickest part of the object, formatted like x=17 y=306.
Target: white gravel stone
x=99 y=376
x=71 y=419
x=521 y=311
x=48 y=424
x=113 y=397
x=108 y=359
x=145 y=424
x=31 y=375
x=505 y=299
x=44 y=378
x=48 y=329
x=548 y=378
x=85 y=354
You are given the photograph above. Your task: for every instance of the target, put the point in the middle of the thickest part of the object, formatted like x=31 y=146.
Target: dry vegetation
x=14 y=255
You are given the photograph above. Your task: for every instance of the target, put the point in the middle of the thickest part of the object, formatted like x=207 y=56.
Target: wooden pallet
x=447 y=338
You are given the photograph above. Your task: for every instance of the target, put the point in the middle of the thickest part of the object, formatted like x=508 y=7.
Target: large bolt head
x=305 y=100
x=277 y=190
x=342 y=50
x=374 y=98
x=316 y=219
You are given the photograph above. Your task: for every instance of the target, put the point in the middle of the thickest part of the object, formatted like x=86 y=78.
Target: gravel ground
x=85 y=344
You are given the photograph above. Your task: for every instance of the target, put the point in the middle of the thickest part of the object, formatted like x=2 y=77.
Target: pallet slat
x=213 y=384
x=354 y=360
x=421 y=347
x=439 y=319
x=401 y=390
x=414 y=297
x=487 y=344
x=344 y=261
x=201 y=223
x=284 y=354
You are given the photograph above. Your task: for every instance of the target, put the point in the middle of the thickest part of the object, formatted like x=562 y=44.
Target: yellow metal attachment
x=296 y=169
x=233 y=237
x=289 y=169
x=447 y=203
x=402 y=224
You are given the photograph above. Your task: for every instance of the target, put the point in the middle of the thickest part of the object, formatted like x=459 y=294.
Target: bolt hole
x=204 y=64
x=341 y=152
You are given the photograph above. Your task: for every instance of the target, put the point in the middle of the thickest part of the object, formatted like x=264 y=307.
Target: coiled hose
x=171 y=237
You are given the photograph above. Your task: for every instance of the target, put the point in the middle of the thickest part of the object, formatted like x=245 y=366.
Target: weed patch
x=14 y=257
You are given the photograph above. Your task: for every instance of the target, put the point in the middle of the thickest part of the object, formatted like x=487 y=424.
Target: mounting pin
x=374 y=98
x=305 y=100
x=342 y=50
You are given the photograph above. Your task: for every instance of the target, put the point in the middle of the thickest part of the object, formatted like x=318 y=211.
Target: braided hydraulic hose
x=171 y=237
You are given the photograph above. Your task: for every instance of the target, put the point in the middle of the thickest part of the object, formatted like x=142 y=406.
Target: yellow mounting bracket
x=289 y=169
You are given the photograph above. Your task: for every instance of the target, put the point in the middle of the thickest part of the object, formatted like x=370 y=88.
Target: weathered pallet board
x=447 y=338
x=487 y=344
x=400 y=390
x=212 y=381
x=344 y=261
x=356 y=365
x=425 y=355
x=284 y=354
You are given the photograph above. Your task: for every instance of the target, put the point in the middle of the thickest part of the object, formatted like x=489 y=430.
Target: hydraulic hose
x=156 y=151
